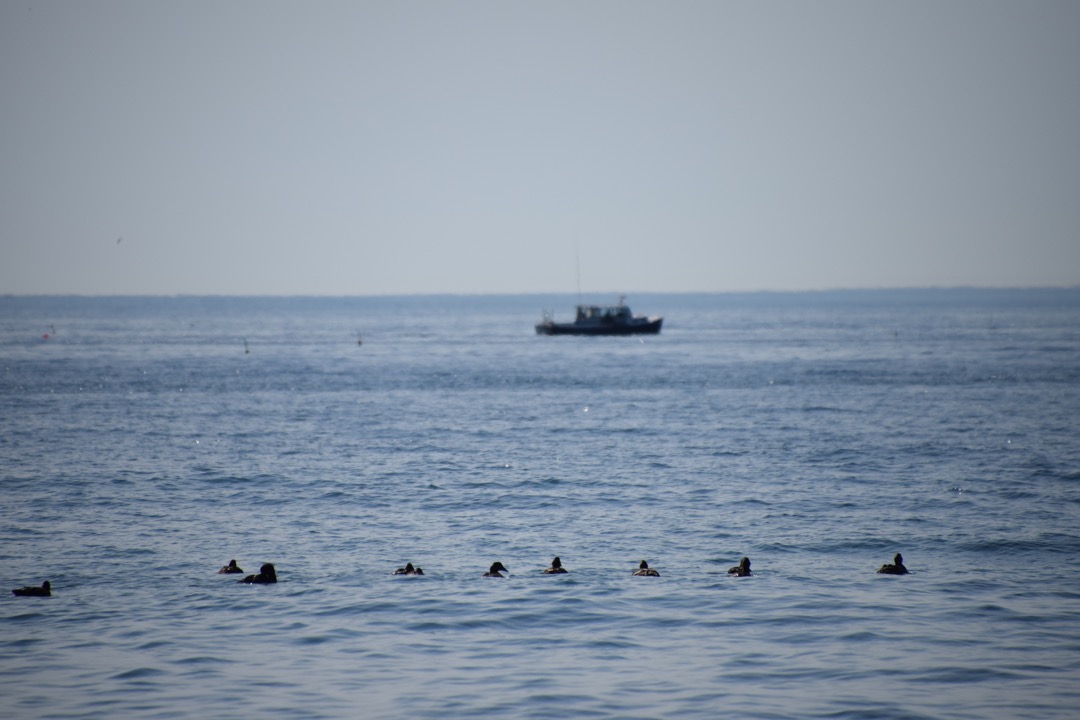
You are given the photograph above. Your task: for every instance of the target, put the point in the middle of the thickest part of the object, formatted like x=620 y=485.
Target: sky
x=478 y=147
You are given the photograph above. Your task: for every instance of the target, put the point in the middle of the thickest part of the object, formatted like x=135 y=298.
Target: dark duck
x=266 y=575
x=645 y=571
x=496 y=570
x=895 y=568
x=556 y=567
x=408 y=570
x=742 y=569
x=230 y=569
x=30 y=591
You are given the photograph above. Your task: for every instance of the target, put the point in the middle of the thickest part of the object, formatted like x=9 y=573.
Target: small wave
x=312 y=640
x=873 y=711
x=22 y=643
x=961 y=675
x=25 y=617
x=138 y=674
x=1065 y=544
x=204 y=660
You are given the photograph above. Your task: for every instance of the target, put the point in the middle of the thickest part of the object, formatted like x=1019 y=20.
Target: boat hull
x=647 y=327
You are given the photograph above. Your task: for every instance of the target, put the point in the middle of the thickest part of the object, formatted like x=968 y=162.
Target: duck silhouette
x=30 y=591
x=896 y=568
x=742 y=569
x=408 y=570
x=230 y=569
x=266 y=575
x=645 y=571
x=493 y=571
x=556 y=567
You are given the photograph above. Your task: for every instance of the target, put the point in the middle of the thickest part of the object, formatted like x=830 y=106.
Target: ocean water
x=141 y=448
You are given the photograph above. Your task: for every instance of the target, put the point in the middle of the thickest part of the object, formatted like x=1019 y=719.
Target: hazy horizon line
x=614 y=293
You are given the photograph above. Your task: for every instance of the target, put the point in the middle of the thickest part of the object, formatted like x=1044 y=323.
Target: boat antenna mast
x=577 y=265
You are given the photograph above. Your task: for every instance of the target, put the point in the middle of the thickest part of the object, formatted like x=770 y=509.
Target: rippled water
x=142 y=448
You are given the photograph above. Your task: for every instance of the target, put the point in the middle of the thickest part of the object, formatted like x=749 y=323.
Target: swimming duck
x=742 y=569
x=493 y=571
x=229 y=569
x=896 y=568
x=267 y=574
x=645 y=571
x=30 y=591
x=556 y=567
x=408 y=570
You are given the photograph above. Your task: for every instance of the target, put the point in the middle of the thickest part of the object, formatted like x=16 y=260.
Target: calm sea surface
x=141 y=448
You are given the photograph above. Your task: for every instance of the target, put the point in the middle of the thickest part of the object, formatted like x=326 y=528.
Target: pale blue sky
x=356 y=148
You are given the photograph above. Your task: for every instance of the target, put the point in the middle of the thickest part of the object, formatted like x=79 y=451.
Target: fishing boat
x=602 y=320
